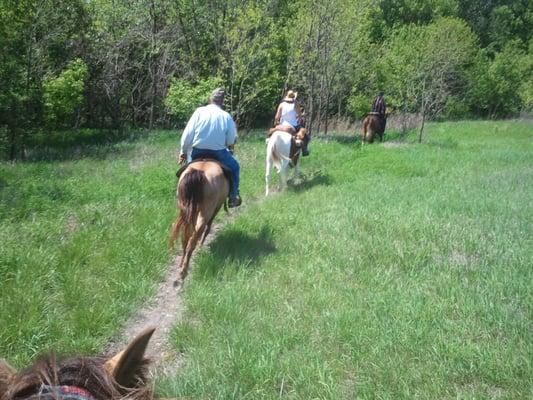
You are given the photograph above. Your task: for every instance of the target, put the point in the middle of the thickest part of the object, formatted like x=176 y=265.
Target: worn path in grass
x=163 y=311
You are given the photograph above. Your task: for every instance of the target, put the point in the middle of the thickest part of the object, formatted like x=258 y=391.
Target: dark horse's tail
x=190 y=196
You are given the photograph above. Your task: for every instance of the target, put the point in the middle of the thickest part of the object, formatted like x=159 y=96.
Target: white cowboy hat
x=291 y=95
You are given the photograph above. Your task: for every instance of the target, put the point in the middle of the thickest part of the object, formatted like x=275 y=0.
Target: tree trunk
x=422 y=126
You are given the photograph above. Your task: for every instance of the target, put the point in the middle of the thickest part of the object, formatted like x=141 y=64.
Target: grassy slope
x=389 y=273
x=392 y=272
x=82 y=242
x=83 y=238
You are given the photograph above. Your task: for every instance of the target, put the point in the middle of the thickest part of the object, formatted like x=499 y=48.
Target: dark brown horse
x=202 y=190
x=373 y=125
x=89 y=378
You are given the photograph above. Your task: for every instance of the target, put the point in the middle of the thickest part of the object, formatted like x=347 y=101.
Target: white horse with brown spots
x=283 y=148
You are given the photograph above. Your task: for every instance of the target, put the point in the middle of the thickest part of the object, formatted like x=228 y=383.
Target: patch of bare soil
x=161 y=312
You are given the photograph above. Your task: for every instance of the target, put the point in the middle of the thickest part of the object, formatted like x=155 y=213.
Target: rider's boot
x=235 y=201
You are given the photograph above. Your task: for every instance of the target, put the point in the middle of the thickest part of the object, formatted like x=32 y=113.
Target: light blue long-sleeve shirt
x=209 y=128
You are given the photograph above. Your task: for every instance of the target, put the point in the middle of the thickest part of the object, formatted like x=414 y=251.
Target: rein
x=61 y=393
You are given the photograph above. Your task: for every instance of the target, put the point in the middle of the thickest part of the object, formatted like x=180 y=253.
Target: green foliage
x=423 y=65
x=335 y=53
x=63 y=94
x=403 y=12
x=359 y=105
x=501 y=87
x=184 y=97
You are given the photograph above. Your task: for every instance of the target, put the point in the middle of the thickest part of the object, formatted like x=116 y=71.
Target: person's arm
x=298 y=113
x=231 y=133
x=382 y=106
x=188 y=136
x=277 y=118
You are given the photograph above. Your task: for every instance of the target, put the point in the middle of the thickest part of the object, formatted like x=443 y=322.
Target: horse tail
x=274 y=151
x=190 y=196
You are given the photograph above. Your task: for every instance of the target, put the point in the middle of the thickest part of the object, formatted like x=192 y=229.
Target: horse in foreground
x=373 y=125
x=86 y=378
x=202 y=190
x=282 y=150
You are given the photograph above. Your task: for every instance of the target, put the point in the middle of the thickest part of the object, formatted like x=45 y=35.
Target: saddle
x=225 y=170
x=282 y=128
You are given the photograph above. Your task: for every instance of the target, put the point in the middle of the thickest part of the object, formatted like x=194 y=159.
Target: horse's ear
x=6 y=374
x=127 y=365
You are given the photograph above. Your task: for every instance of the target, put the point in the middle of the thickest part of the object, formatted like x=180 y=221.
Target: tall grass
x=396 y=271
x=391 y=271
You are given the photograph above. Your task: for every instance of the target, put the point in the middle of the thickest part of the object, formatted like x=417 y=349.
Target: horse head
x=122 y=376
x=301 y=134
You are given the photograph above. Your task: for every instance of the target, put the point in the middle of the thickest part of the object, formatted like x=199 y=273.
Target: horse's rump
x=279 y=147
x=225 y=170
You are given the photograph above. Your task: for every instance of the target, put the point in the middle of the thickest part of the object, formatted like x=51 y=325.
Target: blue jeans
x=226 y=158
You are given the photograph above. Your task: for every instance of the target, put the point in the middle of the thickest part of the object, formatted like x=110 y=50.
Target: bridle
x=47 y=392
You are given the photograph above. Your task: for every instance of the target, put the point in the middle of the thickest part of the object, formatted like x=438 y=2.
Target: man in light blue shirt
x=210 y=133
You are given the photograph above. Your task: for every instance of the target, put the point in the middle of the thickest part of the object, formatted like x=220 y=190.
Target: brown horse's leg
x=363 y=132
x=370 y=132
x=208 y=226
x=188 y=253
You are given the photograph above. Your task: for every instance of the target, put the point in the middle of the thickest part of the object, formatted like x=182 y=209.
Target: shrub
x=62 y=95
x=183 y=97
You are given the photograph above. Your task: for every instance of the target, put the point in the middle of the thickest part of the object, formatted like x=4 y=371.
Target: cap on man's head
x=217 y=95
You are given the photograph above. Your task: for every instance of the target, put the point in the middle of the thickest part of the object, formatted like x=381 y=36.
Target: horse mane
x=88 y=373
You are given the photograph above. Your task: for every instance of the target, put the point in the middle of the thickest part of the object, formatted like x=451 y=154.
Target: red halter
x=61 y=393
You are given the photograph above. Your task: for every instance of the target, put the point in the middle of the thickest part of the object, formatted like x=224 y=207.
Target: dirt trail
x=161 y=311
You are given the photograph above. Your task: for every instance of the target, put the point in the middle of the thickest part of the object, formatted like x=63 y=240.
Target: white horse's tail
x=273 y=149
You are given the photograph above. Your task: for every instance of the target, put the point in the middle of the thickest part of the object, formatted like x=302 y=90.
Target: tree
x=37 y=39
x=184 y=97
x=325 y=55
x=64 y=93
x=500 y=87
x=425 y=65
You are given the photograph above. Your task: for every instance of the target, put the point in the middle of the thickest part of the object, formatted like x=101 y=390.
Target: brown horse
x=89 y=378
x=202 y=190
x=373 y=125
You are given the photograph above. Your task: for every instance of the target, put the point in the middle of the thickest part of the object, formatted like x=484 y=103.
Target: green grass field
x=393 y=271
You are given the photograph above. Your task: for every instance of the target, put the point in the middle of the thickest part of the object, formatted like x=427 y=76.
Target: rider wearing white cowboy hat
x=289 y=114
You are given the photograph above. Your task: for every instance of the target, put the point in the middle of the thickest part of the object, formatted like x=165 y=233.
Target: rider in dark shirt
x=379 y=107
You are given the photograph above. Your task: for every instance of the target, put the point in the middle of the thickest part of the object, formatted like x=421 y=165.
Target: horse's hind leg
x=283 y=174
x=208 y=226
x=197 y=232
x=296 y=173
x=191 y=245
x=268 y=174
